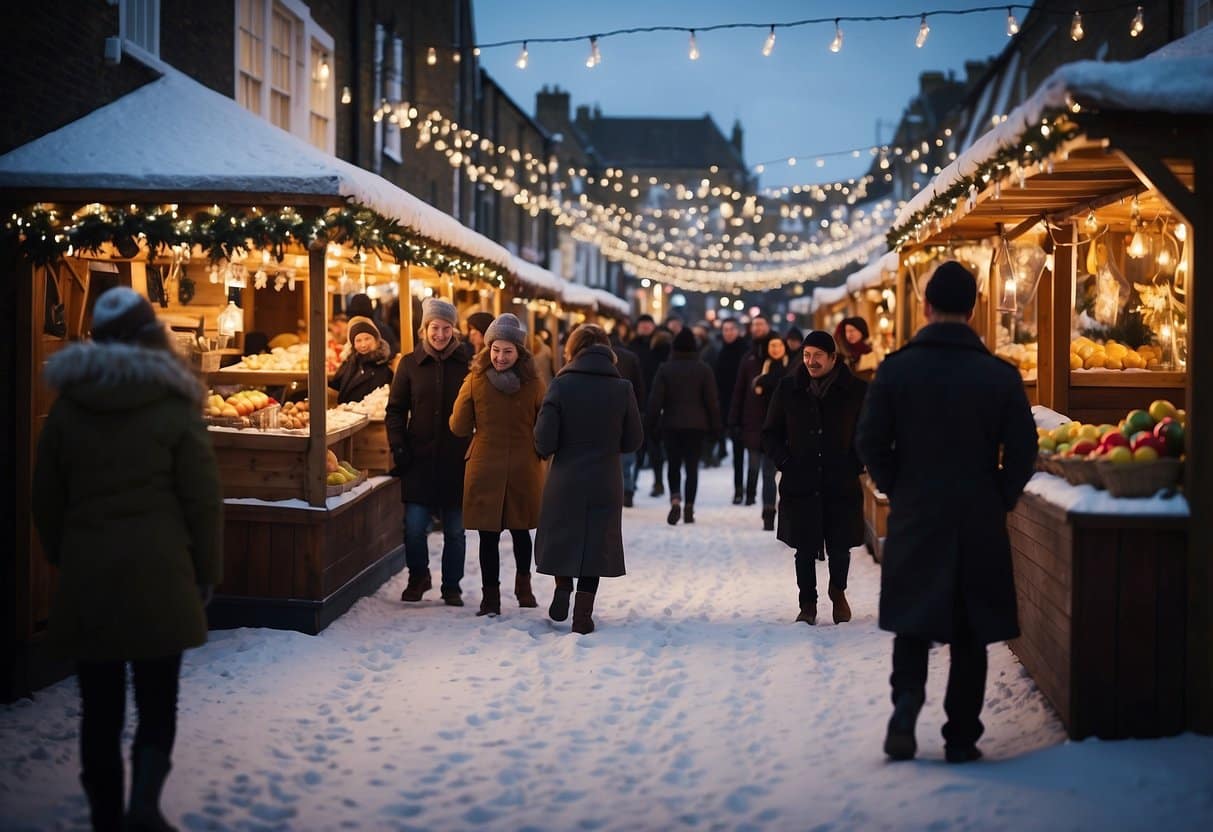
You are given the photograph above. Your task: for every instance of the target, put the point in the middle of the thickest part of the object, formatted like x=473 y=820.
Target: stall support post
x=497 y=301
x=1065 y=269
x=902 y=320
x=405 y=293
x=317 y=389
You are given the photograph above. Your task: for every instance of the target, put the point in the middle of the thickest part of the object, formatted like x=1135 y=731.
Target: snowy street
x=697 y=704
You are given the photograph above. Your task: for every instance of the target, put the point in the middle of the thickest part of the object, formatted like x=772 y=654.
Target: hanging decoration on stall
x=42 y=234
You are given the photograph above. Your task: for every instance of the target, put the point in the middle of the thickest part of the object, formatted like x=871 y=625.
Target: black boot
x=961 y=753
x=104 y=793
x=675 y=514
x=583 y=611
x=490 y=604
x=628 y=499
x=808 y=614
x=658 y=489
x=559 y=609
x=149 y=769
x=688 y=514
x=452 y=597
x=418 y=585
x=768 y=519
x=738 y=496
x=523 y=591
x=899 y=742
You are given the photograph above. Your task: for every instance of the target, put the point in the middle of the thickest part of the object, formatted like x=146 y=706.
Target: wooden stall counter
x=875 y=517
x=288 y=565
x=1102 y=591
x=1099 y=397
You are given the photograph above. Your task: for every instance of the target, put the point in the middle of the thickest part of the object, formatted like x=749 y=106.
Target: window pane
x=280 y=52
x=280 y=109
x=249 y=95
x=320 y=132
x=142 y=18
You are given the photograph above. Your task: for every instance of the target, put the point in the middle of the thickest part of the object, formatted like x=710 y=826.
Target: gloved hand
x=205 y=593
x=400 y=459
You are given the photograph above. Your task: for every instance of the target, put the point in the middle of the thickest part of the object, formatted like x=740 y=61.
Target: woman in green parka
x=127 y=504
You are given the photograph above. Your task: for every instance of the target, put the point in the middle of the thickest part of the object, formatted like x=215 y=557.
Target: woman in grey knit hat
x=503 y=483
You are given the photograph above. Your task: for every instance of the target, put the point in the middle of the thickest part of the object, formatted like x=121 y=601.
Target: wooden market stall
x=222 y=237
x=1096 y=200
x=830 y=305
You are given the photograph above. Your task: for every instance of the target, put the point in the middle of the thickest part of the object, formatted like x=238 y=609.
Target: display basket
x=1044 y=463
x=1140 y=479
x=1080 y=471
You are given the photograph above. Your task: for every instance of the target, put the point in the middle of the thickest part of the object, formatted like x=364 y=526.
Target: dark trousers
x=103 y=714
x=966 y=678
x=761 y=462
x=490 y=555
x=738 y=465
x=584 y=584
x=683 y=449
x=806 y=571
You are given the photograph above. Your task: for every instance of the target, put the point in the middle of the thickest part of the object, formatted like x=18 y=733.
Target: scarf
x=819 y=386
x=507 y=382
x=439 y=356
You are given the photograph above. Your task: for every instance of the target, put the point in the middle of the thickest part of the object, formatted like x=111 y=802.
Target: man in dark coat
x=728 y=363
x=940 y=414
x=429 y=458
x=629 y=368
x=810 y=434
x=748 y=409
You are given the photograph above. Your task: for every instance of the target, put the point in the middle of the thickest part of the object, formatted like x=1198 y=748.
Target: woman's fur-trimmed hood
x=115 y=376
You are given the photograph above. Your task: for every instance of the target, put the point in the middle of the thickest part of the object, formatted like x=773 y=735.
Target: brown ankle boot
x=491 y=603
x=808 y=614
x=522 y=590
x=583 y=610
x=842 y=610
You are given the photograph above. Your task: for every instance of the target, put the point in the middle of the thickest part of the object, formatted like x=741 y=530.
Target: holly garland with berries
x=42 y=235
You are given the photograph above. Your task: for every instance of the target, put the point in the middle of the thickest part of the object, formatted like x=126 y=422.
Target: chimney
x=974 y=70
x=597 y=111
x=738 y=136
x=928 y=82
x=552 y=108
x=583 y=113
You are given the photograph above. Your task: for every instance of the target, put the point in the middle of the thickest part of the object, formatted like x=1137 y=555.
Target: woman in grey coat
x=588 y=419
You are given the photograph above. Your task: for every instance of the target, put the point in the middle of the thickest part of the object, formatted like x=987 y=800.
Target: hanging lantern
x=1008 y=299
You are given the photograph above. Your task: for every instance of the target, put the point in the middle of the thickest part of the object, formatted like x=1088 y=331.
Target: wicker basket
x=1140 y=479
x=1042 y=463
x=1080 y=471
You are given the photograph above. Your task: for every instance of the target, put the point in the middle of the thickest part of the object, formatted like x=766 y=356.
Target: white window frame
x=130 y=19
x=307 y=33
x=1194 y=7
x=393 y=89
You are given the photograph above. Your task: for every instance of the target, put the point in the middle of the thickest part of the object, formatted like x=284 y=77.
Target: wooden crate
x=271 y=466
x=1103 y=611
x=875 y=517
x=371 y=451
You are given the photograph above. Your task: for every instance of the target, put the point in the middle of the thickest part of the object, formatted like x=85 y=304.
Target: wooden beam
x=1095 y=204
x=1151 y=169
x=1065 y=271
x=317 y=388
x=404 y=291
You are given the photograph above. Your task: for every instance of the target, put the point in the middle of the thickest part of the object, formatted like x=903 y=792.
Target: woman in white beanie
x=127 y=504
x=503 y=481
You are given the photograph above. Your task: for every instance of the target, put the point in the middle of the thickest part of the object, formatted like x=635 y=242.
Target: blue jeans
x=629 y=472
x=454 y=545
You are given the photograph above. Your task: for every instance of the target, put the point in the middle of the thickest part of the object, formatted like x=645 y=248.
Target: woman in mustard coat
x=503 y=480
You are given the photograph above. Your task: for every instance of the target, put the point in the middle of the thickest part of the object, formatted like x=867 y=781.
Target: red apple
x=1082 y=447
x=1171 y=433
x=1113 y=440
x=1149 y=440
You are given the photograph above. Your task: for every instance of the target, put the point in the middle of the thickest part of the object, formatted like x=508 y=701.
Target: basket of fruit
x=340 y=476
x=1141 y=479
x=1079 y=470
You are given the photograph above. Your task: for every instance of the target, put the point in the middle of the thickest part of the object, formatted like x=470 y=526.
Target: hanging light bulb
x=1139 y=23
x=522 y=57
x=431 y=56
x=346 y=95
x=693 y=51
x=595 y=57
x=792 y=161
x=1076 y=30
x=1092 y=222
x=923 y=31
x=768 y=45
x=1138 y=248
x=1012 y=23
x=323 y=71
x=1181 y=232
x=836 y=43
x=457 y=56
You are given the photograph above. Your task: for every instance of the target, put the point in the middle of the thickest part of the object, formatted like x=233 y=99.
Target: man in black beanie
x=940 y=414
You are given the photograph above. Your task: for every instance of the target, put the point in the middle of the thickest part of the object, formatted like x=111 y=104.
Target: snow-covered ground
x=697 y=704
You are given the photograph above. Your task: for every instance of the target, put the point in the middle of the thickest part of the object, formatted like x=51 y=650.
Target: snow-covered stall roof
x=824 y=296
x=872 y=274
x=179 y=136
x=575 y=294
x=611 y=303
x=1178 y=78
x=538 y=279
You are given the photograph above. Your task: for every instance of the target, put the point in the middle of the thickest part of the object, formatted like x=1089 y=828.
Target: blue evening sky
x=801 y=100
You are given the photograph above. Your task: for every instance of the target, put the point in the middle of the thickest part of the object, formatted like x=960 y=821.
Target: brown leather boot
x=522 y=590
x=808 y=614
x=583 y=610
x=491 y=603
x=842 y=610
x=418 y=585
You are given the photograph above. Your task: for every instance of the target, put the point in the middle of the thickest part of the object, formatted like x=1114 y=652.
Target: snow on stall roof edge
x=1177 y=78
x=174 y=134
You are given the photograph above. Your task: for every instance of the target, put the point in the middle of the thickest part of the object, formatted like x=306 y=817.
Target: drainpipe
x=377 y=96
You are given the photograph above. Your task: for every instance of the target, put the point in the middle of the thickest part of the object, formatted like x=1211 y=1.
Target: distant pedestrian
x=810 y=435
x=545 y=360
x=361 y=305
x=673 y=325
x=728 y=362
x=747 y=411
x=503 y=482
x=589 y=417
x=940 y=416
x=684 y=408
x=127 y=504
x=367 y=367
x=629 y=369
x=429 y=459
x=773 y=369
x=795 y=341
x=621 y=334
x=660 y=346
x=478 y=324
x=852 y=335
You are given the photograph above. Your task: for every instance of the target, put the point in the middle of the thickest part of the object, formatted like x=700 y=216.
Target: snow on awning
x=830 y=295
x=577 y=295
x=611 y=303
x=873 y=273
x=1178 y=78
x=538 y=279
x=176 y=135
